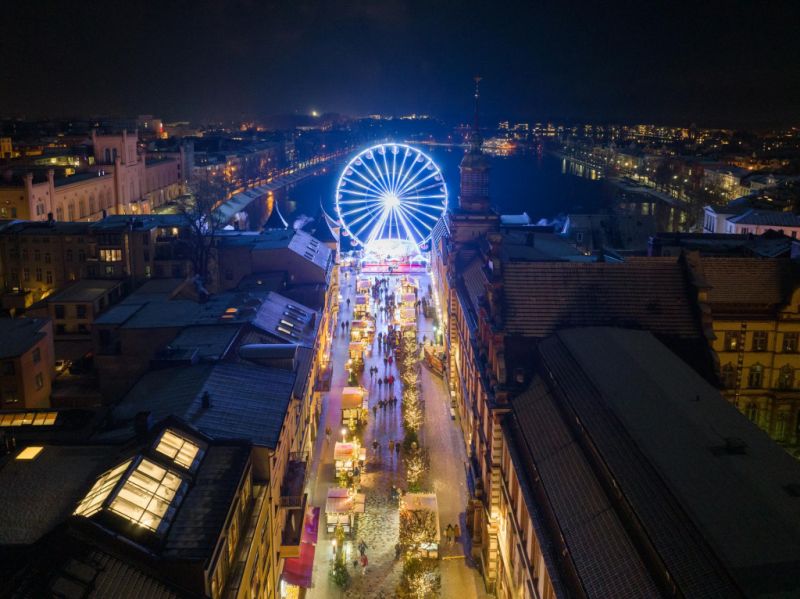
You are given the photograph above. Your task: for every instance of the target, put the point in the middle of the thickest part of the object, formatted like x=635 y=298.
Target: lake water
x=536 y=184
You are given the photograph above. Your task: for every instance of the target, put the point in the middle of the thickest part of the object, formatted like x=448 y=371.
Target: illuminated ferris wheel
x=390 y=192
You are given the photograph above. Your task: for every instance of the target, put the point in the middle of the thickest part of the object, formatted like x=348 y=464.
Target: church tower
x=475 y=167
x=473 y=216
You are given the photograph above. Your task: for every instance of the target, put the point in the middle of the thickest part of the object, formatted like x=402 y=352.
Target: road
x=378 y=526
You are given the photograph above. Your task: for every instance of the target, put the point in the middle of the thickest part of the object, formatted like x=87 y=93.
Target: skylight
x=101 y=489
x=28 y=419
x=147 y=495
x=30 y=453
x=178 y=448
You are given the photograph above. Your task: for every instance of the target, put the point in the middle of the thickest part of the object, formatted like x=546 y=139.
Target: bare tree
x=203 y=220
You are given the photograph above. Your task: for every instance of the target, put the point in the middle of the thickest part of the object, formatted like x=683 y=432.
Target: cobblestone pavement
x=378 y=526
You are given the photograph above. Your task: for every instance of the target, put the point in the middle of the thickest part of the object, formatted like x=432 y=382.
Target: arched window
x=82 y=207
x=728 y=376
x=60 y=213
x=92 y=205
x=786 y=377
x=71 y=212
x=756 y=377
x=780 y=426
x=751 y=411
x=108 y=156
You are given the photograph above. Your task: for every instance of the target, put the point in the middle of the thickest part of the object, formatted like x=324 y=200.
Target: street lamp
x=344 y=435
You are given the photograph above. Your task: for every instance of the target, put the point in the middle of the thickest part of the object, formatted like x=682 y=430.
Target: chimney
x=142 y=423
x=206 y=400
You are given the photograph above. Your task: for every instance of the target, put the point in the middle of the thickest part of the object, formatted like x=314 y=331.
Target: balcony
x=294 y=481
x=292 y=532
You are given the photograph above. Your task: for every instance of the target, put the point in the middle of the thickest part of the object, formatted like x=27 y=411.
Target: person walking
x=362 y=547
x=375 y=445
x=397 y=448
x=328 y=435
x=364 y=562
x=348 y=302
x=385 y=362
x=449 y=534
x=391 y=447
x=380 y=383
x=375 y=412
x=456 y=531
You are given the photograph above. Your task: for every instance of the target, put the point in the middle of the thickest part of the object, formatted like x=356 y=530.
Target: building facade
x=27 y=363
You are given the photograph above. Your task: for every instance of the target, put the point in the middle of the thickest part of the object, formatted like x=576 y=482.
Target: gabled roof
x=247 y=401
x=756 y=281
x=38 y=494
x=652 y=294
x=18 y=335
x=766 y=218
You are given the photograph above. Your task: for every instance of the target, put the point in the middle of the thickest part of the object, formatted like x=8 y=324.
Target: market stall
x=361 y=306
x=341 y=507
x=355 y=404
x=355 y=362
x=419 y=524
x=363 y=287
x=408 y=299
x=362 y=330
x=434 y=357
x=407 y=316
x=347 y=457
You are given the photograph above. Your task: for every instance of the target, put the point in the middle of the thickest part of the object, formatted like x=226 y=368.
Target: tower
x=474 y=168
x=473 y=216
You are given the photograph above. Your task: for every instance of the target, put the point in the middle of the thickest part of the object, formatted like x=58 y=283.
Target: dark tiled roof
x=303 y=320
x=711 y=515
x=18 y=335
x=201 y=516
x=541 y=297
x=606 y=562
x=68 y=566
x=247 y=401
x=38 y=494
x=740 y=281
x=767 y=218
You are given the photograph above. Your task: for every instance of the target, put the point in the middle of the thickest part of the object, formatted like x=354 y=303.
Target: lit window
x=100 y=491
x=30 y=453
x=287 y=323
x=179 y=449
x=146 y=496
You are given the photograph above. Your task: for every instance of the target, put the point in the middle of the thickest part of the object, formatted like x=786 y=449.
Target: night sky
x=714 y=63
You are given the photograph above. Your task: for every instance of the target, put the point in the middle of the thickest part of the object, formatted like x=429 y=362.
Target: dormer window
x=180 y=449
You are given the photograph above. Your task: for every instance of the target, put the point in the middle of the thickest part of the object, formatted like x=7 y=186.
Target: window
x=81 y=256
x=37 y=255
x=786 y=377
x=178 y=448
x=760 y=339
x=26 y=274
x=100 y=491
x=756 y=376
x=39 y=381
x=24 y=254
x=39 y=275
x=47 y=258
x=30 y=453
x=80 y=311
x=790 y=343
x=111 y=255
x=37 y=355
x=68 y=255
x=61 y=311
x=752 y=412
x=48 y=277
x=728 y=376
x=10 y=395
x=8 y=368
x=731 y=341
x=147 y=495
x=780 y=426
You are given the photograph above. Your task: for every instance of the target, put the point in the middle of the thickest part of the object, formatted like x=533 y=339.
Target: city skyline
x=711 y=65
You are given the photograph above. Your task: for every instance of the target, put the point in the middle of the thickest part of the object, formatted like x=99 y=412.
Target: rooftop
x=766 y=218
x=85 y=290
x=652 y=294
x=760 y=282
x=246 y=401
x=19 y=335
x=56 y=478
x=710 y=491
